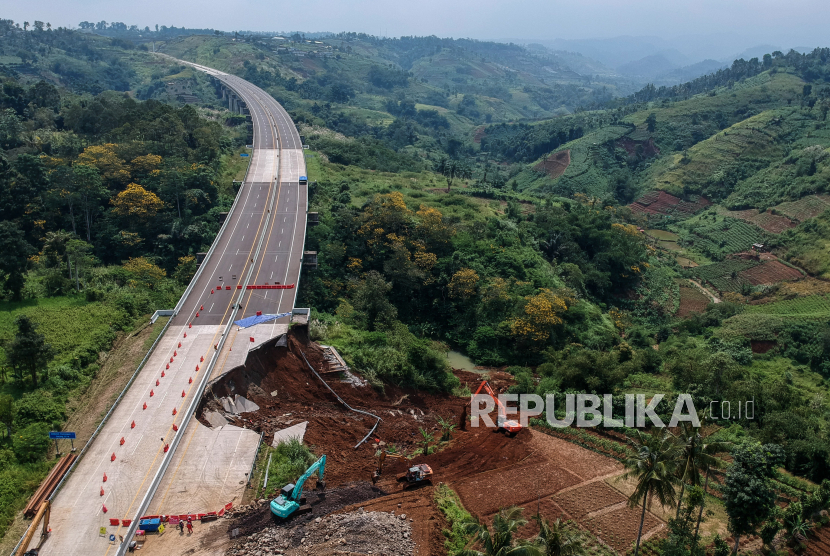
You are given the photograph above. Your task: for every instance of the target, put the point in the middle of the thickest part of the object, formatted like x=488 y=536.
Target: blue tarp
x=258 y=319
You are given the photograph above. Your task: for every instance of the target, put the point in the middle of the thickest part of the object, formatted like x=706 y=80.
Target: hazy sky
x=791 y=23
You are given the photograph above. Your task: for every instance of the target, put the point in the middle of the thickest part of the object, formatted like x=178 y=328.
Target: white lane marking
x=211 y=307
x=137 y=443
x=275 y=258
x=243 y=238
x=248 y=226
x=283 y=219
x=272 y=274
x=280 y=245
x=229 y=268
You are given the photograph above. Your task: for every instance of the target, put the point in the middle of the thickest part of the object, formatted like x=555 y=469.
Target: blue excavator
x=290 y=500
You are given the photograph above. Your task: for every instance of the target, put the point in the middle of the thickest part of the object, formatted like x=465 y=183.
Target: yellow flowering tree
x=136 y=202
x=463 y=283
x=144 y=272
x=541 y=313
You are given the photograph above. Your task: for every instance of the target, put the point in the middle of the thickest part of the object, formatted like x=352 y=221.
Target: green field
x=811 y=307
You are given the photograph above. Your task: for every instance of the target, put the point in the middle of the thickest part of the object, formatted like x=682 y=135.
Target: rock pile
x=360 y=532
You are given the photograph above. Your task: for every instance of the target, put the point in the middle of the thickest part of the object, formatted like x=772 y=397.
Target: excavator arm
x=319 y=466
x=510 y=425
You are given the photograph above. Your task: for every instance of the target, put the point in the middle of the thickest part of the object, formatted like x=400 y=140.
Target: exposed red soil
x=770 y=272
x=589 y=498
x=761 y=346
x=818 y=543
x=479 y=134
x=692 y=300
x=555 y=164
x=488 y=470
x=660 y=202
x=619 y=527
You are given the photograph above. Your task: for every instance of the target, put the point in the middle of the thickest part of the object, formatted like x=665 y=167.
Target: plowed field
x=770 y=272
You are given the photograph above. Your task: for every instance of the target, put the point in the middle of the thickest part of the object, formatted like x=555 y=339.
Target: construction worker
x=189 y=526
x=181 y=526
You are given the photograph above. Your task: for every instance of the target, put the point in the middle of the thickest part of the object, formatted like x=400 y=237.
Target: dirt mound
x=357 y=532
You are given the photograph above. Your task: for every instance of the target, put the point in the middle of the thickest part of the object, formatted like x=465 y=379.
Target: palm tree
x=696 y=455
x=653 y=466
x=555 y=539
x=499 y=542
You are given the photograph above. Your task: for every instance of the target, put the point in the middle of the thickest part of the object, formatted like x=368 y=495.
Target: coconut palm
x=499 y=541
x=555 y=539
x=696 y=456
x=653 y=466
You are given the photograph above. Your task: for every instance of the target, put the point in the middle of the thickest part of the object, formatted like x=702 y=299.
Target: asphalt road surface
x=261 y=244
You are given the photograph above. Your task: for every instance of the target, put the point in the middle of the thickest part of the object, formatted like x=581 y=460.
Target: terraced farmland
x=812 y=307
x=771 y=272
x=722 y=235
x=662 y=203
x=767 y=221
x=805 y=208
x=724 y=276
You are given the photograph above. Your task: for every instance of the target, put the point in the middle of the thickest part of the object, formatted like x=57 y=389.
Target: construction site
x=373 y=505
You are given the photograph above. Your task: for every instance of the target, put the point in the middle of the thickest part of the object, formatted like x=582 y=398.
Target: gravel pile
x=360 y=532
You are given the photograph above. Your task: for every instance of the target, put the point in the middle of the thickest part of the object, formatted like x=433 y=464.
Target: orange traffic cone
x=180 y=344
x=183 y=394
x=105 y=477
x=112 y=458
x=197 y=368
x=104 y=508
x=166 y=447
x=190 y=325
x=162 y=372
x=132 y=425
x=157 y=382
x=102 y=491
x=175 y=428
x=211 y=291
x=174 y=411
x=145 y=405
x=185 y=334
x=167 y=367
x=152 y=393
x=197 y=314
x=190 y=380
x=201 y=307
x=122 y=441
x=202 y=359
x=175 y=353
x=171 y=359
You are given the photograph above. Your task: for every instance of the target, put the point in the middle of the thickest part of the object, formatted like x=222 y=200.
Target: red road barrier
x=267 y=287
x=228 y=287
x=114 y=521
x=126 y=522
